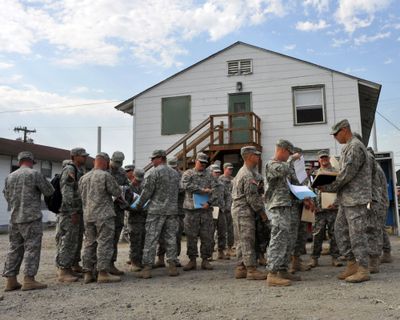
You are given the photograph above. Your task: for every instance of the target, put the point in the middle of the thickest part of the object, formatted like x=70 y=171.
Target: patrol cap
x=173 y=162
x=323 y=153
x=297 y=150
x=217 y=163
x=371 y=151
x=228 y=165
x=65 y=162
x=79 y=152
x=129 y=167
x=103 y=155
x=118 y=157
x=249 y=149
x=202 y=157
x=26 y=155
x=308 y=166
x=158 y=153
x=285 y=144
x=215 y=168
x=138 y=174
x=340 y=125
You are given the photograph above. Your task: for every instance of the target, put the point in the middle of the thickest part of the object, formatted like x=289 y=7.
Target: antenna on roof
x=26 y=132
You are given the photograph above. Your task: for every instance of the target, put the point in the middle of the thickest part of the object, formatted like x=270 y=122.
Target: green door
x=240 y=102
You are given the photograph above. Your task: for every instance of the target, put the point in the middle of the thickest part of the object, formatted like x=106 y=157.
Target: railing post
x=184 y=155
x=221 y=133
x=211 y=130
x=230 y=127
x=251 y=129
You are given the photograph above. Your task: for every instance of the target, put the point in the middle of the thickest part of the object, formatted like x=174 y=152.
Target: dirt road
x=205 y=294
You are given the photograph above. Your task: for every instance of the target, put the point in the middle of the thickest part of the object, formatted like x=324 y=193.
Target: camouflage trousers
x=263 y=235
x=230 y=235
x=281 y=226
x=160 y=226
x=324 y=220
x=162 y=244
x=199 y=222
x=351 y=233
x=119 y=225
x=81 y=231
x=300 y=245
x=376 y=229
x=294 y=222
x=67 y=237
x=384 y=241
x=245 y=226
x=98 y=244
x=25 y=244
x=136 y=230
x=221 y=228
x=386 y=247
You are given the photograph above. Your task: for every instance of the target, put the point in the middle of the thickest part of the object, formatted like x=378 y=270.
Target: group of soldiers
x=152 y=211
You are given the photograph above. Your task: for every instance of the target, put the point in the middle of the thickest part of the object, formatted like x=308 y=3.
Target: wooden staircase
x=214 y=135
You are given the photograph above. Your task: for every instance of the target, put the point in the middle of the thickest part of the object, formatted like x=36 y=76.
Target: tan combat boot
x=288 y=276
x=313 y=262
x=222 y=255
x=240 y=272
x=31 y=284
x=336 y=262
x=172 y=270
x=146 y=272
x=231 y=252
x=12 y=284
x=135 y=267
x=105 y=277
x=373 y=265
x=361 y=275
x=114 y=271
x=77 y=268
x=206 y=265
x=160 y=263
x=65 y=275
x=262 y=261
x=386 y=258
x=276 y=280
x=88 y=277
x=254 y=274
x=351 y=268
x=191 y=265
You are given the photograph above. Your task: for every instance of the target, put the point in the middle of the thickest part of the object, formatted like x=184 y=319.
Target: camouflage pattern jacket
x=120 y=176
x=23 y=190
x=71 y=199
x=161 y=188
x=97 y=188
x=227 y=181
x=383 y=195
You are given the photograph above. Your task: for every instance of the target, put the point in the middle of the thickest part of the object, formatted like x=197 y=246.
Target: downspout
x=134 y=132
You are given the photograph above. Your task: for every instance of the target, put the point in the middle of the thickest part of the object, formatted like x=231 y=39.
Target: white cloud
x=319 y=5
x=339 y=42
x=388 y=61
x=96 y=32
x=289 y=47
x=311 y=26
x=6 y=65
x=366 y=39
x=12 y=79
x=354 y=14
x=354 y=70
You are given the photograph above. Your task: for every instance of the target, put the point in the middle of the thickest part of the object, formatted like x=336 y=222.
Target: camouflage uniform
x=353 y=187
x=161 y=188
x=220 y=223
x=324 y=219
x=279 y=202
x=263 y=229
x=23 y=189
x=227 y=181
x=120 y=176
x=246 y=204
x=97 y=188
x=198 y=222
x=67 y=233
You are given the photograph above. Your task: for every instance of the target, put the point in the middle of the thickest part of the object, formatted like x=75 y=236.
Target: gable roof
x=126 y=106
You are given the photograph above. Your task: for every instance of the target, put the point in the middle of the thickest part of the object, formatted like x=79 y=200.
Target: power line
x=390 y=122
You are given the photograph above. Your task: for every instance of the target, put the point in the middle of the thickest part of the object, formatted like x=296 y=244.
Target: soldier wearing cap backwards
x=199 y=222
x=324 y=219
x=353 y=188
x=69 y=231
x=97 y=188
x=161 y=190
x=119 y=174
x=23 y=190
x=246 y=204
x=226 y=179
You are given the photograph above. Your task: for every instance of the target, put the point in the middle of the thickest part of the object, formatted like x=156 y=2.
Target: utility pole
x=98 y=139
x=26 y=132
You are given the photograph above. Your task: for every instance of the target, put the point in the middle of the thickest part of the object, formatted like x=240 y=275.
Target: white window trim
x=321 y=87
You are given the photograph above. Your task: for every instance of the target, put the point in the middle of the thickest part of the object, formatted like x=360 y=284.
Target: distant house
x=49 y=162
x=243 y=95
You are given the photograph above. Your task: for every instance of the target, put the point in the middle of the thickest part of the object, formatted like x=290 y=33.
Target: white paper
x=300 y=169
x=215 y=212
x=327 y=199
x=301 y=192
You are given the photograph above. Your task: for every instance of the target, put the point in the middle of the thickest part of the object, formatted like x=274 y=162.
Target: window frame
x=43 y=170
x=323 y=96
x=189 y=114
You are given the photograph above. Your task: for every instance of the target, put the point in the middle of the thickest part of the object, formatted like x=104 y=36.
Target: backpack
x=54 y=201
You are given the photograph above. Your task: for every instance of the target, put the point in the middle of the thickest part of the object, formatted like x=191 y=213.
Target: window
x=309 y=105
x=45 y=168
x=238 y=67
x=175 y=114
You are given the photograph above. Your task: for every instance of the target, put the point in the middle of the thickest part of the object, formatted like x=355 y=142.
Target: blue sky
x=92 y=54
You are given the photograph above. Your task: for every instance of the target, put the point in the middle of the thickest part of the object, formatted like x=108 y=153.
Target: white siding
x=271 y=90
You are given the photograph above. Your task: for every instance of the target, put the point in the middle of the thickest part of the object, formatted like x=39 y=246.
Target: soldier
x=129 y=170
x=198 y=222
x=97 y=188
x=246 y=204
x=23 y=190
x=226 y=179
x=161 y=188
x=353 y=187
x=136 y=221
x=119 y=174
x=160 y=263
x=324 y=219
x=69 y=219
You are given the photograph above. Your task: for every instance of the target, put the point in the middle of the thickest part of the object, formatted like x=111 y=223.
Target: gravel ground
x=205 y=294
